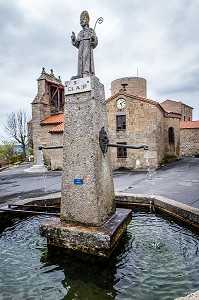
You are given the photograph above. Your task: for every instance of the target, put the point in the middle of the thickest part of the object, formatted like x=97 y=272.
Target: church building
x=133 y=119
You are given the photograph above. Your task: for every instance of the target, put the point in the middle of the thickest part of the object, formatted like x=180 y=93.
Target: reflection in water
x=155 y=259
x=87 y=277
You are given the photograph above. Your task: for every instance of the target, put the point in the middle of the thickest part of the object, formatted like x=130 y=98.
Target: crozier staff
x=86 y=41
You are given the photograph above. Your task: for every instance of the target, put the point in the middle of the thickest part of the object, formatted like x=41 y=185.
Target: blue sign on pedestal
x=78 y=181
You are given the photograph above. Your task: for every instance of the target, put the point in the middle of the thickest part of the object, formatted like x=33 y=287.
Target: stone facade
x=189 y=137
x=48 y=101
x=178 y=107
x=133 y=85
x=56 y=158
x=146 y=123
x=171 y=147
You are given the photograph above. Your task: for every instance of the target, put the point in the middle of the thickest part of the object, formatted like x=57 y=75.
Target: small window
x=121 y=152
x=121 y=122
x=171 y=135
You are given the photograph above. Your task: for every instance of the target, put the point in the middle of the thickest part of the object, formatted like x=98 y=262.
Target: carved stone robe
x=86 y=41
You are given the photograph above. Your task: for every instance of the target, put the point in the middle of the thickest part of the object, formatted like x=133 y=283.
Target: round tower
x=132 y=85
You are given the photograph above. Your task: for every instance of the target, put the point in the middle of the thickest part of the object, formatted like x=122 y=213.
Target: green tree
x=17 y=128
x=7 y=150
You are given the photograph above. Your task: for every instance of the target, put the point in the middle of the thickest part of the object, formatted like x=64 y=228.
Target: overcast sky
x=160 y=38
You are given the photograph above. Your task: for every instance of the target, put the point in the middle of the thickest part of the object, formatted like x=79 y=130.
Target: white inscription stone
x=79 y=85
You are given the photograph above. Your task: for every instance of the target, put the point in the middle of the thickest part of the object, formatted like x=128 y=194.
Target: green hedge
x=15 y=158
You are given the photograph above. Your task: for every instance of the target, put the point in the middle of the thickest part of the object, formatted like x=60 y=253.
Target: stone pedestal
x=39 y=167
x=87 y=184
x=93 y=240
x=87 y=195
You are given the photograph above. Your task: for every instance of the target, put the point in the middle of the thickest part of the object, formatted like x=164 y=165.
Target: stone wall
x=39 y=112
x=186 y=113
x=136 y=86
x=56 y=154
x=172 y=149
x=189 y=141
x=47 y=141
x=144 y=125
x=178 y=107
x=42 y=108
x=52 y=157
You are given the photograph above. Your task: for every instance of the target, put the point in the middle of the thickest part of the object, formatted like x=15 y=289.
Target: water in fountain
x=151 y=172
x=43 y=178
x=156 y=259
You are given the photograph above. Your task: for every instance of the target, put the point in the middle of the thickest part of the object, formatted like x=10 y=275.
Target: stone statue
x=86 y=41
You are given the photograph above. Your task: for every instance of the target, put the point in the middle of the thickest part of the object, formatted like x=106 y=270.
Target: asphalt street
x=15 y=184
x=177 y=181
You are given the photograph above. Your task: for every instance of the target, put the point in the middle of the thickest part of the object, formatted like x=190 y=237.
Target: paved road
x=15 y=184
x=178 y=181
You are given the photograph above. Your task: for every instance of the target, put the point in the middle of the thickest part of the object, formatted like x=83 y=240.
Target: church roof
x=144 y=99
x=175 y=102
x=54 y=119
x=58 y=129
x=189 y=124
x=121 y=92
x=50 y=77
x=58 y=119
x=172 y=112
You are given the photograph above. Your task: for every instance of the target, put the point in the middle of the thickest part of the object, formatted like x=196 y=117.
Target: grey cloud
x=158 y=37
x=11 y=16
x=186 y=81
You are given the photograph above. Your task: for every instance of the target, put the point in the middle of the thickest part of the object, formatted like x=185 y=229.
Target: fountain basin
x=93 y=240
x=151 y=242
x=155 y=259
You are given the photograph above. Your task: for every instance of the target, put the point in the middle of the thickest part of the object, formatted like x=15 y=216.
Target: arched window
x=171 y=135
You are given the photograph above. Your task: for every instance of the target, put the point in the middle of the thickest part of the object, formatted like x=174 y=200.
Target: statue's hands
x=92 y=36
x=73 y=37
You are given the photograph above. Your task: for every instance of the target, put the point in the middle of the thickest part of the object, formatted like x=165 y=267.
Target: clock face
x=121 y=103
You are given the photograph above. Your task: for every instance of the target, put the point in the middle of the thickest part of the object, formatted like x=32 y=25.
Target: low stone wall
x=193 y=296
x=189 y=142
x=179 y=210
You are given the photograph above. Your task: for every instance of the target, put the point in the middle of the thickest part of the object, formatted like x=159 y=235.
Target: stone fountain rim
x=179 y=210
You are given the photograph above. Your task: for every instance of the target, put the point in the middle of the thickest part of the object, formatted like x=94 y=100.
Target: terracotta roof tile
x=55 y=119
x=142 y=99
x=134 y=96
x=189 y=124
x=57 y=129
x=172 y=112
x=175 y=102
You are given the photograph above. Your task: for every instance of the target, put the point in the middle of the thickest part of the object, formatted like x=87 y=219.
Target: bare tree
x=17 y=128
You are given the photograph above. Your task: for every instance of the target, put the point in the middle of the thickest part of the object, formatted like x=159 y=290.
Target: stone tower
x=48 y=101
x=133 y=85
